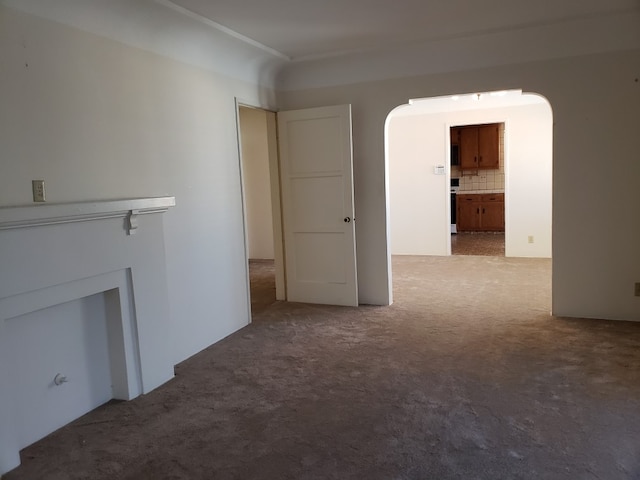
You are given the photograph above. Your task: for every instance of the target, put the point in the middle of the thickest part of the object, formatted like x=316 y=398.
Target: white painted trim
x=52 y=214
x=232 y=33
x=447 y=201
x=244 y=210
x=125 y=365
x=276 y=205
x=276 y=199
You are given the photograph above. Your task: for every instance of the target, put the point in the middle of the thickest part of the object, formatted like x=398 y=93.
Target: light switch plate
x=38 y=191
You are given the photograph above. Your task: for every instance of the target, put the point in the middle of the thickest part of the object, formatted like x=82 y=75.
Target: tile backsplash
x=484 y=180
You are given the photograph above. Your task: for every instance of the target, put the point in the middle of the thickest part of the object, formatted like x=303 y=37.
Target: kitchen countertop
x=472 y=192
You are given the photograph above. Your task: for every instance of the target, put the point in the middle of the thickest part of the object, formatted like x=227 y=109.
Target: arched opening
x=418 y=156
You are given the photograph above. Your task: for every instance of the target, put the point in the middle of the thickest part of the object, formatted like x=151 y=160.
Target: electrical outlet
x=530 y=239
x=38 y=191
x=637 y=289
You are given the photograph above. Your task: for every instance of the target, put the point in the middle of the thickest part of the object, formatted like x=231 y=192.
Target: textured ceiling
x=305 y=29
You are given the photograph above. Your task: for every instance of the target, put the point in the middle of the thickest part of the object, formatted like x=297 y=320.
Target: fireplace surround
x=51 y=255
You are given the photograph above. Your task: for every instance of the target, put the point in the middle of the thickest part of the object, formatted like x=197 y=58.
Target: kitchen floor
x=478 y=243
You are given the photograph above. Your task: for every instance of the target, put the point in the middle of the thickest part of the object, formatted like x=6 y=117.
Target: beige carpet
x=466 y=376
x=478 y=243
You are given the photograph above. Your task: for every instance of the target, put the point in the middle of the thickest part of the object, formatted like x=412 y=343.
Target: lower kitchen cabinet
x=480 y=212
x=468 y=218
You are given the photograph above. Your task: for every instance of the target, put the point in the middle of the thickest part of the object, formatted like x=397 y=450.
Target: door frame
x=276 y=201
x=505 y=157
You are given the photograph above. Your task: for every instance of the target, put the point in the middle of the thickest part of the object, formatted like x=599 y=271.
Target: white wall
x=596 y=106
x=97 y=119
x=419 y=199
x=162 y=27
x=529 y=180
x=419 y=219
x=256 y=180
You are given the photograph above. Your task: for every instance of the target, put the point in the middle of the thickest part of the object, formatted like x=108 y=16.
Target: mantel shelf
x=56 y=213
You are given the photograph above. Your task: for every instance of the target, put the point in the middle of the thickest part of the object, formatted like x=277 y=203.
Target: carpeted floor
x=466 y=376
x=478 y=243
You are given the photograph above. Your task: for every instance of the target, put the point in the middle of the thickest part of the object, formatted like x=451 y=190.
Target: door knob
x=347 y=219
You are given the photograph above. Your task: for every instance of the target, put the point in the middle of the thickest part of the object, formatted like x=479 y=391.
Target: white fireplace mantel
x=51 y=214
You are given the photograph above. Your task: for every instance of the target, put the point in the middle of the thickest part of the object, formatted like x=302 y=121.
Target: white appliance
x=455 y=186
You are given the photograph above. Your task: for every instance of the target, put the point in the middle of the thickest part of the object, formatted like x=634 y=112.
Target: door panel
x=468 y=216
x=317 y=205
x=310 y=150
x=488 y=150
x=319 y=202
x=493 y=216
x=469 y=147
x=320 y=258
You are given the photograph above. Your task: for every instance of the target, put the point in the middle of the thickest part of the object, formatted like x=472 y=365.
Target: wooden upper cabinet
x=489 y=146
x=454 y=133
x=468 y=148
x=480 y=147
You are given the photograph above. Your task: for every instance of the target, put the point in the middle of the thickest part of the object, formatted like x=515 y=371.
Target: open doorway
x=310 y=175
x=420 y=171
x=477 y=189
x=261 y=201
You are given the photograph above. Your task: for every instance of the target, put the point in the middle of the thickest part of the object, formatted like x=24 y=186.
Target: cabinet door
x=492 y=216
x=454 y=133
x=489 y=146
x=468 y=213
x=469 y=148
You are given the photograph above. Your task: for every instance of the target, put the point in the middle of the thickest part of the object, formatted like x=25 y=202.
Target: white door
x=317 y=205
